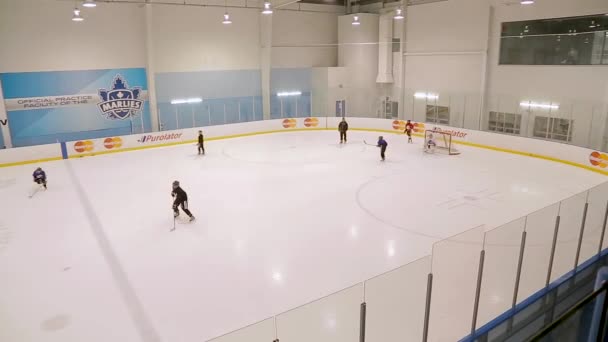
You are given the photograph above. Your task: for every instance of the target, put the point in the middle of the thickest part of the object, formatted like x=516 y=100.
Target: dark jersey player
x=201 y=143
x=181 y=199
x=343 y=128
x=383 y=145
x=40 y=177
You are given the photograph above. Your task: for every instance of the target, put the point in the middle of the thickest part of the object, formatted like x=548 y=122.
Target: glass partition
x=396 y=302
x=571 y=216
x=502 y=247
x=455 y=267
x=334 y=318
x=540 y=227
x=263 y=331
x=594 y=224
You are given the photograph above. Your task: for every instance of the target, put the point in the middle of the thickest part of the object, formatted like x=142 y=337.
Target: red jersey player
x=409 y=127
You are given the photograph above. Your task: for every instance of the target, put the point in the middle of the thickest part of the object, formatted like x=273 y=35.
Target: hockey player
x=343 y=127
x=40 y=177
x=181 y=199
x=201 y=143
x=409 y=127
x=382 y=144
x=430 y=143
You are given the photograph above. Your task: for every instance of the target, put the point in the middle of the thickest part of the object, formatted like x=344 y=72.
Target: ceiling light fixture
x=427 y=96
x=89 y=3
x=226 y=20
x=527 y=2
x=398 y=14
x=267 y=8
x=77 y=16
x=356 y=21
x=192 y=100
x=538 y=105
x=289 y=93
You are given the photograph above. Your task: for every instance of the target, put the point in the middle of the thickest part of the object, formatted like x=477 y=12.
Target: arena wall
x=563 y=153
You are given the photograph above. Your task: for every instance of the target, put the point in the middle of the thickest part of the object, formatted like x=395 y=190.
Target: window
x=561 y=41
x=438 y=114
x=396 y=45
x=553 y=128
x=504 y=122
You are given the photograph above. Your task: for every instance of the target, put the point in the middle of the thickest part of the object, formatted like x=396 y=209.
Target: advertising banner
x=47 y=107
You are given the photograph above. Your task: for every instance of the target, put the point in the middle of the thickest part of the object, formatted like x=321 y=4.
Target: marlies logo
x=120 y=102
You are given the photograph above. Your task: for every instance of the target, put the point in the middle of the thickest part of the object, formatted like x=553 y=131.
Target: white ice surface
x=282 y=219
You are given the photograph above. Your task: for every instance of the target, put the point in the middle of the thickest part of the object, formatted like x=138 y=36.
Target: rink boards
x=553 y=151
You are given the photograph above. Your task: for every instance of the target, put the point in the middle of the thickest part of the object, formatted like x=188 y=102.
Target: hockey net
x=439 y=141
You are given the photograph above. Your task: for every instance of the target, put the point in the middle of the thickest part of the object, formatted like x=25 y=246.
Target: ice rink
x=282 y=219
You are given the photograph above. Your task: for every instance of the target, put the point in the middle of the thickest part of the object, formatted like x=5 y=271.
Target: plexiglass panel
x=334 y=318
x=501 y=247
x=540 y=226
x=455 y=266
x=259 y=332
x=396 y=302
x=571 y=216
x=596 y=211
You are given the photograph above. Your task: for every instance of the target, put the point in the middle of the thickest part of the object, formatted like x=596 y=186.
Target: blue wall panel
x=46 y=107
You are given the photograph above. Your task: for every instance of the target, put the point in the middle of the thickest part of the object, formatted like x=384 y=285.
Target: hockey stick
x=366 y=143
x=174 y=218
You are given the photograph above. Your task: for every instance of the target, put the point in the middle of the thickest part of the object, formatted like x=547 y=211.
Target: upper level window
x=553 y=128
x=561 y=41
x=504 y=122
x=438 y=114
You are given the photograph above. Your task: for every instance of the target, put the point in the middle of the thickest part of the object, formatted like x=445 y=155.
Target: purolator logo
x=454 y=133
x=289 y=123
x=111 y=143
x=311 y=122
x=84 y=146
x=598 y=159
x=159 y=137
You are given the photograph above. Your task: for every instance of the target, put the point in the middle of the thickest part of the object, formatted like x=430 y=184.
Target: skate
x=192 y=218
x=175 y=215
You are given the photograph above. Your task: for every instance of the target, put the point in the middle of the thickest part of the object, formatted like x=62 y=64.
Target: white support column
x=265 y=61
x=6 y=132
x=150 y=71
x=385 y=48
x=403 y=50
x=483 y=89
